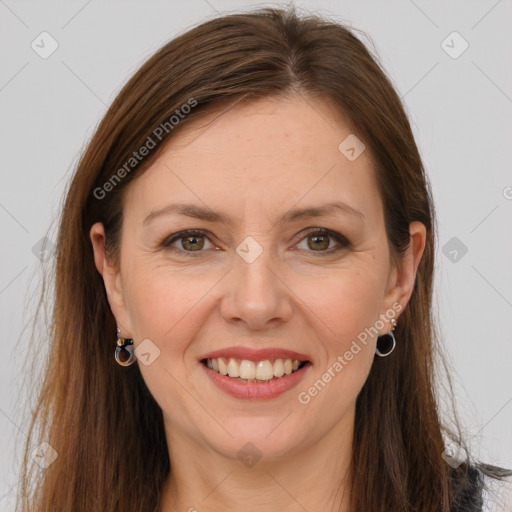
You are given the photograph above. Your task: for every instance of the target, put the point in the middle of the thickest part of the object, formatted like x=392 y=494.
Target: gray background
x=460 y=109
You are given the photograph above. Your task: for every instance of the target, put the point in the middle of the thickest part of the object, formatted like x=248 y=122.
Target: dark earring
x=387 y=342
x=124 y=354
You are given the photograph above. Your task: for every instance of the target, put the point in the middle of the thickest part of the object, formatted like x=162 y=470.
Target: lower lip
x=255 y=391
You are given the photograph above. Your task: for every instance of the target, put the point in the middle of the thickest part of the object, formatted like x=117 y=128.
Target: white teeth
x=244 y=369
x=233 y=368
x=278 y=368
x=264 y=370
x=247 y=369
x=223 y=369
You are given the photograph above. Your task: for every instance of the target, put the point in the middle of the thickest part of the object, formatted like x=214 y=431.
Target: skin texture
x=256 y=162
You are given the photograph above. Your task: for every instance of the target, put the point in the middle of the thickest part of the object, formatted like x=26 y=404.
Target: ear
x=403 y=277
x=111 y=279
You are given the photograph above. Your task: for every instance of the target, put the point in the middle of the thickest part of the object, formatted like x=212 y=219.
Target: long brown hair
x=99 y=417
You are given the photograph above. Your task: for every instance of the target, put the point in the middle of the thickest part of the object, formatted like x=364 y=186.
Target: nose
x=256 y=295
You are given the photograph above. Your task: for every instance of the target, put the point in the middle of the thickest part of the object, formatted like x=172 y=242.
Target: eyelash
x=342 y=241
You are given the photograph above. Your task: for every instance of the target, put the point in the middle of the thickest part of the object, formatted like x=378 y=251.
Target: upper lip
x=253 y=354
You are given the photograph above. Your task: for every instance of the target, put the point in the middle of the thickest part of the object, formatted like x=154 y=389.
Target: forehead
x=281 y=128
x=271 y=153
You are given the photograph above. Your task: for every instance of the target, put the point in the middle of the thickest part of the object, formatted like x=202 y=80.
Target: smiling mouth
x=245 y=370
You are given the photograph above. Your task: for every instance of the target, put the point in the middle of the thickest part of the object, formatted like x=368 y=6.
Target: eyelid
x=342 y=241
x=166 y=242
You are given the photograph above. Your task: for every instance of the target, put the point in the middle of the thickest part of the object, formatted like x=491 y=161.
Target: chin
x=258 y=438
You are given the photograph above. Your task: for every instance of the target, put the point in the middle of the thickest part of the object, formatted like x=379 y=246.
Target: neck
x=313 y=478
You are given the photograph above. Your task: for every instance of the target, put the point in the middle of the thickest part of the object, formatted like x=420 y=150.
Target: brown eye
x=192 y=243
x=187 y=243
x=319 y=241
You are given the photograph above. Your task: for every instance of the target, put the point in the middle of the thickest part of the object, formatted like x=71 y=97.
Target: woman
x=243 y=315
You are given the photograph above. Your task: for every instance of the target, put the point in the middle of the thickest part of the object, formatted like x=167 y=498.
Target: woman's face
x=258 y=183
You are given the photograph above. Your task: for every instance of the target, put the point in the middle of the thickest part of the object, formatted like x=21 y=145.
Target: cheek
x=162 y=302
x=343 y=308
x=344 y=303
x=348 y=309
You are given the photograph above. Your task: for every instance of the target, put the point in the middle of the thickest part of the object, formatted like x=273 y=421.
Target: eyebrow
x=206 y=214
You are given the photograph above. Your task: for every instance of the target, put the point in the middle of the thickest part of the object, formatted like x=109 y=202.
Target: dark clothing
x=469 y=483
x=467 y=486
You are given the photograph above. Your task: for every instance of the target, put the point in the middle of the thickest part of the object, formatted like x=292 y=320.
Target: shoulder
x=481 y=488
x=467 y=485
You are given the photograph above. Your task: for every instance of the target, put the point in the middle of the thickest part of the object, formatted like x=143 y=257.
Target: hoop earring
x=387 y=342
x=124 y=353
